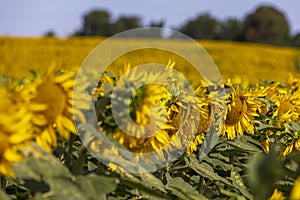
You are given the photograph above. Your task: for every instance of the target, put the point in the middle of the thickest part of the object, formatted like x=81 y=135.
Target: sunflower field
x=235 y=138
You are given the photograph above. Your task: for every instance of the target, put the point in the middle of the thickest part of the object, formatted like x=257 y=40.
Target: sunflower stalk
x=100 y=168
x=69 y=151
x=231 y=194
x=232 y=158
x=201 y=185
x=2 y=182
x=77 y=168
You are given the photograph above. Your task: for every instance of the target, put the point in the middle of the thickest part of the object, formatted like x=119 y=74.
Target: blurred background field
x=241 y=62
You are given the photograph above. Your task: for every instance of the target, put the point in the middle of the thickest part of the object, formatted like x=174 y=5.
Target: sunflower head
x=161 y=116
x=288 y=106
x=241 y=110
x=15 y=132
x=132 y=109
x=236 y=110
x=50 y=100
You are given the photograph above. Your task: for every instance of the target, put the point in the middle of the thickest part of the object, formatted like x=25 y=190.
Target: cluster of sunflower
x=279 y=115
x=39 y=109
x=268 y=112
x=165 y=113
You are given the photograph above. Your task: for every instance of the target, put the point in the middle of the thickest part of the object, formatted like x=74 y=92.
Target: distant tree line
x=265 y=25
x=100 y=23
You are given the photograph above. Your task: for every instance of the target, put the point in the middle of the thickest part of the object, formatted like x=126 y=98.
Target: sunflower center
x=204 y=121
x=285 y=107
x=237 y=111
x=53 y=96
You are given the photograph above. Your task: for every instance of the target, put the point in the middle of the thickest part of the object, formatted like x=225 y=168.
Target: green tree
x=202 y=27
x=160 y=24
x=267 y=25
x=96 y=22
x=231 y=29
x=125 y=23
x=50 y=33
x=295 y=41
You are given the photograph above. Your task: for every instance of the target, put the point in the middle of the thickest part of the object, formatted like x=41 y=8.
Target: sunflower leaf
x=3 y=195
x=206 y=171
x=40 y=164
x=239 y=184
x=96 y=187
x=243 y=145
x=182 y=189
x=134 y=182
x=217 y=163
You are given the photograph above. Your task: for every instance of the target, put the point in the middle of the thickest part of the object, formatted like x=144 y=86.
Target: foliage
x=96 y=23
x=99 y=22
x=202 y=27
x=231 y=29
x=267 y=25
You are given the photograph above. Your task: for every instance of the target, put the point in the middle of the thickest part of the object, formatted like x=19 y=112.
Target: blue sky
x=35 y=17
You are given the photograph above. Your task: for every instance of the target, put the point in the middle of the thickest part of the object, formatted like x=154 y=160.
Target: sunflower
x=288 y=106
x=197 y=141
x=148 y=114
x=49 y=98
x=204 y=106
x=163 y=114
x=277 y=195
x=240 y=114
x=288 y=149
x=293 y=83
x=283 y=103
x=15 y=132
x=146 y=128
x=295 y=193
x=269 y=137
x=292 y=142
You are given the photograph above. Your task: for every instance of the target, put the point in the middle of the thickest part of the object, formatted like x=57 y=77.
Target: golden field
x=241 y=62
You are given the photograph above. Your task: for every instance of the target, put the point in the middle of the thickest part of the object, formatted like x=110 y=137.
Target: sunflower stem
x=2 y=182
x=200 y=185
x=68 y=153
x=231 y=157
x=78 y=165
x=100 y=168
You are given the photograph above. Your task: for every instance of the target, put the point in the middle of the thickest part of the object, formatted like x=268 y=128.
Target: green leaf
x=263 y=172
x=243 y=145
x=231 y=194
x=65 y=189
x=3 y=195
x=41 y=166
x=239 y=184
x=262 y=126
x=96 y=187
x=206 y=171
x=295 y=126
x=182 y=189
x=219 y=156
x=91 y=166
x=152 y=180
x=38 y=162
x=133 y=182
x=217 y=163
x=39 y=196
